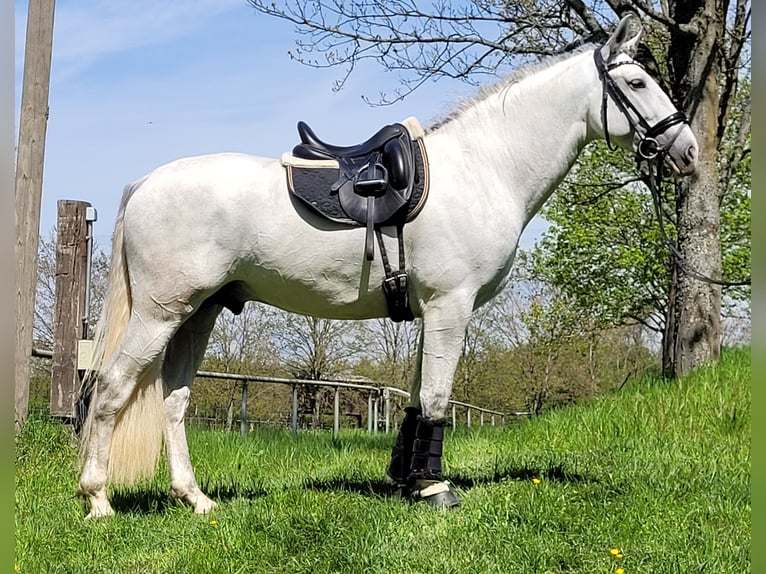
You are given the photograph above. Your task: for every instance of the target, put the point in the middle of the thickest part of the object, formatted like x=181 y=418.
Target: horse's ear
x=622 y=39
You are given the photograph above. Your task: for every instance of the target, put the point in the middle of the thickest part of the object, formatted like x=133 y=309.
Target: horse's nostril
x=691 y=155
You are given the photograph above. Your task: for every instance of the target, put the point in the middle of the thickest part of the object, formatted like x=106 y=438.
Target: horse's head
x=635 y=111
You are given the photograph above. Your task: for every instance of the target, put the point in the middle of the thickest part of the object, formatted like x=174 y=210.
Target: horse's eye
x=637 y=84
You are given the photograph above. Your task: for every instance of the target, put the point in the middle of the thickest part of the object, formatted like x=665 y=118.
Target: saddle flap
x=399 y=161
x=355 y=205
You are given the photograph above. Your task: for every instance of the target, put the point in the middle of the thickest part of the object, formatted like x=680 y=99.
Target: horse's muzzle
x=685 y=163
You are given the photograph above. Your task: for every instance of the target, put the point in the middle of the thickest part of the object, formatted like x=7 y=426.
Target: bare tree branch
x=736 y=39
x=622 y=7
x=586 y=15
x=460 y=42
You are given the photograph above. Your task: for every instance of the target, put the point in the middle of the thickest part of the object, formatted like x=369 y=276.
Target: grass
x=660 y=471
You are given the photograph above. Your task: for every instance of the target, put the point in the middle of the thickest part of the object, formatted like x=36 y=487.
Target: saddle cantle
x=382 y=181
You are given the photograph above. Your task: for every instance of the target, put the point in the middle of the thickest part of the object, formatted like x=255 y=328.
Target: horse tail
x=137 y=438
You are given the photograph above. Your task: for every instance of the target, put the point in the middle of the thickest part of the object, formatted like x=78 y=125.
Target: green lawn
x=660 y=471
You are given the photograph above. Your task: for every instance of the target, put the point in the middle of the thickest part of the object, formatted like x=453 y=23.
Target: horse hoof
x=97 y=512
x=438 y=495
x=204 y=506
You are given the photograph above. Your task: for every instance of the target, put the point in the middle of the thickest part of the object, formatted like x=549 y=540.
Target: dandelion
x=615 y=552
x=536 y=481
x=213 y=522
x=16 y=568
x=620 y=571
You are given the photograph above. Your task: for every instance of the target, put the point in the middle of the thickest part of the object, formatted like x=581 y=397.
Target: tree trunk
x=669 y=331
x=697 y=317
x=693 y=63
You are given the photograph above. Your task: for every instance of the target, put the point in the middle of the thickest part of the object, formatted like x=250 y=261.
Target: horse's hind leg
x=142 y=344
x=182 y=359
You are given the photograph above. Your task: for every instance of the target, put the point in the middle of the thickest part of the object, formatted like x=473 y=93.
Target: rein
x=649 y=151
x=655 y=184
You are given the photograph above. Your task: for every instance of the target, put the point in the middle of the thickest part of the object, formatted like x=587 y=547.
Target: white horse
x=203 y=233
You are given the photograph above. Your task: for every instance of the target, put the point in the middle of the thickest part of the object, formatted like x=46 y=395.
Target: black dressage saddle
x=379 y=182
x=375 y=178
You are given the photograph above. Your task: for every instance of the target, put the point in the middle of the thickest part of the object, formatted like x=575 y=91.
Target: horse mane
x=505 y=82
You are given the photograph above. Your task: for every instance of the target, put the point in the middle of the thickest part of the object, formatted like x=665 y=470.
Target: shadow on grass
x=151 y=500
x=378 y=488
x=553 y=473
x=382 y=488
x=141 y=501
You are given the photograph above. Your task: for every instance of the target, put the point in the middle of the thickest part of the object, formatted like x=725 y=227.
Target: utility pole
x=29 y=186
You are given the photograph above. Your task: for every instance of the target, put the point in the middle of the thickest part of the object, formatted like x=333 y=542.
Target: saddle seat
x=311 y=147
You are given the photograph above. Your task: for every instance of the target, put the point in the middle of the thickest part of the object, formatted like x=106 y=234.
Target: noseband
x=648 y=148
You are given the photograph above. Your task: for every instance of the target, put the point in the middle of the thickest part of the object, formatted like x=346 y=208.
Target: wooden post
x=70 y=316
x=243 y=410
x=294 y=409
x=336 y=414
x=29 y=186
x=387 y=409
x=369 y=413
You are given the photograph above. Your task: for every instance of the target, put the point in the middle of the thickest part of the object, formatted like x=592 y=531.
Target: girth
x=380 y=182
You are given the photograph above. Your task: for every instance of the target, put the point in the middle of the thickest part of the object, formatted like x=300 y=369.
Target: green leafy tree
x=604 y=247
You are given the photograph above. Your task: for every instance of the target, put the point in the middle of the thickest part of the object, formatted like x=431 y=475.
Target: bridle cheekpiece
x=648 y=148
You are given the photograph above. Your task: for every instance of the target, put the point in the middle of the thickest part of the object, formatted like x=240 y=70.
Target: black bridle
x=648 y=148
x=648 y=151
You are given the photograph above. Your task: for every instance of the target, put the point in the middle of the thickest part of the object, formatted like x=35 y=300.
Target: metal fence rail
x=379 y=398
x=373 y=392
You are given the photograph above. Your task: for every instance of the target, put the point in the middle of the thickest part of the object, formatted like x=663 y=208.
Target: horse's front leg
x=416 y=461
x=401 y=455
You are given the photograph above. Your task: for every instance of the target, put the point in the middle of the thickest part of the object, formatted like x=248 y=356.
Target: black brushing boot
x=426 y=465
x=401 y=455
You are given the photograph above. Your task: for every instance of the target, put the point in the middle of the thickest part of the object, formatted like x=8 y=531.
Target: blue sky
x=137 y=84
